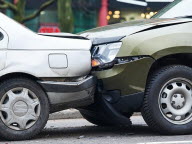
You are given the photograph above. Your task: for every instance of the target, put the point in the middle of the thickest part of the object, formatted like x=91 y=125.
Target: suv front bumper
x=63 y=95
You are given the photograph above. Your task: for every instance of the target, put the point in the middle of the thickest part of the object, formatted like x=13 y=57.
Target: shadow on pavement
x=69 y=131
x=95 y=131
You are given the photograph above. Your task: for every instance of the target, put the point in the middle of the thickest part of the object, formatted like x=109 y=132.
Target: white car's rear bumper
x=64 y=95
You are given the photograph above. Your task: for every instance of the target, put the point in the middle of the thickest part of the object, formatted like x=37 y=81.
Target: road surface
x=79 y=131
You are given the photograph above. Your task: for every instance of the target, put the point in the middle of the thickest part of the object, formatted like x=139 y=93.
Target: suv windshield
x=178 y=8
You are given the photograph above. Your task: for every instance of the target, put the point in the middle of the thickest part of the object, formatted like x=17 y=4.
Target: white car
x=40 y=74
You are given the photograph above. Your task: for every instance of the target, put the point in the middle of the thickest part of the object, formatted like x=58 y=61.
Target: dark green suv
x=146 y=66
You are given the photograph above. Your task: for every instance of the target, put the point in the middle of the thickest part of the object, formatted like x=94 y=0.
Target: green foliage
x=18 y=9
x=19 y=15
x=65 y=15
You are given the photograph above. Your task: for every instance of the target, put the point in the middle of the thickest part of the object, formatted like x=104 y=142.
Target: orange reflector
x=95 y=63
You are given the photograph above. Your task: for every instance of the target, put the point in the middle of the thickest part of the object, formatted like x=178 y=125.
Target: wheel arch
x=21 y=75
x=16 y=75
x=172 y=59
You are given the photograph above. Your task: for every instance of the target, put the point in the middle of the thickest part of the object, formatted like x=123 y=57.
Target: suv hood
x=117 y=31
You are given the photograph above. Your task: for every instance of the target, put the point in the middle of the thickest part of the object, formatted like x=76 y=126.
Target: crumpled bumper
x=70 y=94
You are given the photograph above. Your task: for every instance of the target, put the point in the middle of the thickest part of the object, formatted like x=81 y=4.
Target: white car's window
x=178 y=8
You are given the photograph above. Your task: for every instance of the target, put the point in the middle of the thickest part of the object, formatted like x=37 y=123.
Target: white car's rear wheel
x=24 y=109
x=19 y=108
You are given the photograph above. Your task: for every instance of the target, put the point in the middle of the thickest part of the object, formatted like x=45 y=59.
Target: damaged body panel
x=160 y=37
x=122 y=76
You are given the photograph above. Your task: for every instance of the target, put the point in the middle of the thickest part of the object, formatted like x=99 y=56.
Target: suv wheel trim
x=19 y=108
x=175 y=101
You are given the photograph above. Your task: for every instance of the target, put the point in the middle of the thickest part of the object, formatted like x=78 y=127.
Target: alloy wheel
x=19 y=108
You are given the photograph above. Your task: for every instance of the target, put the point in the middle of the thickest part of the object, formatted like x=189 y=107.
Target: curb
x=66 y=114
x=70 y=114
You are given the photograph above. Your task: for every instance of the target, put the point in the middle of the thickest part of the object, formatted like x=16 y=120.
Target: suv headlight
x=104 y=55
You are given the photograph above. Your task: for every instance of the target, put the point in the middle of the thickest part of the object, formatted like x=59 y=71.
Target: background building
x=85 y=15
x=89 y=13
x=124 y=11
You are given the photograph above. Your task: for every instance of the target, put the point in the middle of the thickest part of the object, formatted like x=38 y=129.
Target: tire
x=24 y=109
x=167 y=106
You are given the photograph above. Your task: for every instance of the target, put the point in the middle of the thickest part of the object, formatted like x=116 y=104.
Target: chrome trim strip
x=67 y=83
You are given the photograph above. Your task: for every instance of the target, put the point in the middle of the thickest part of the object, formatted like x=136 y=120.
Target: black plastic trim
x=126 y=103
x=129 y=103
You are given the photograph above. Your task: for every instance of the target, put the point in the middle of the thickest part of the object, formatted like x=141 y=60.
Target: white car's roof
x=21 y=37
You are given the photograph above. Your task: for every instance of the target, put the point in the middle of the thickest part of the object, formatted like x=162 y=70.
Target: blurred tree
x=65 y=15
x=87 y=6
x=18 y=9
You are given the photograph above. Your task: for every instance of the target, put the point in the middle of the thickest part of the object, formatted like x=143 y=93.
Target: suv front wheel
x=167 y=106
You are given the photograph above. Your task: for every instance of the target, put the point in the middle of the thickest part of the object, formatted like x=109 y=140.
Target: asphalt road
x=79 y=131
